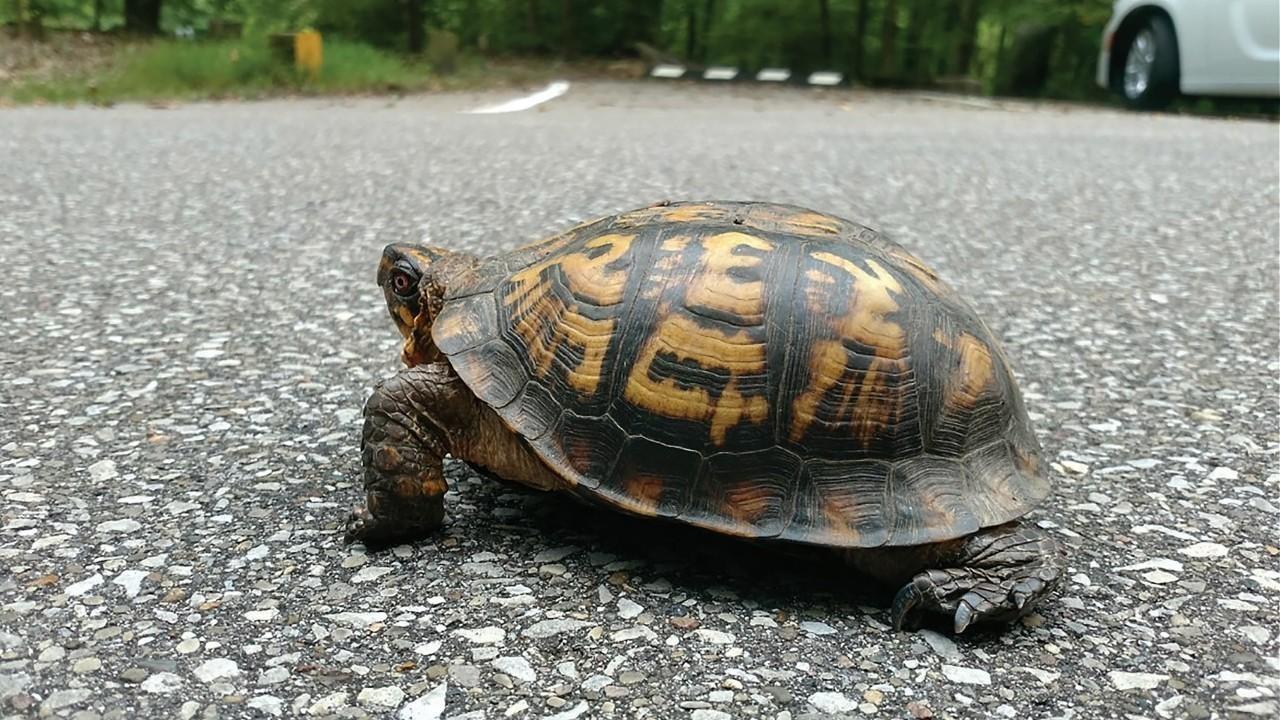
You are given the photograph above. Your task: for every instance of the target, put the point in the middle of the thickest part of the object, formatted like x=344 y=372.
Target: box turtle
x=758 y=370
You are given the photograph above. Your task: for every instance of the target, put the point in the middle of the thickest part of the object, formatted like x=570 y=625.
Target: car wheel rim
x=1138 y=64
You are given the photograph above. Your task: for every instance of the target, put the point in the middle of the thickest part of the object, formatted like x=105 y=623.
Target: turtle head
x=413 y=279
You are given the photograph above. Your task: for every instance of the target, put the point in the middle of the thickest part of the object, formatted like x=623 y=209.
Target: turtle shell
x=759 y=370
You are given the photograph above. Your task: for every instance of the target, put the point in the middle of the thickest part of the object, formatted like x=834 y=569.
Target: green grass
x=353 y=67
x=236 y=69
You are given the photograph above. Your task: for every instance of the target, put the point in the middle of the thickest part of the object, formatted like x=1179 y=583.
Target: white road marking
x=550 y=92
x=667 y=71
x=720 y=73
x=825 y=78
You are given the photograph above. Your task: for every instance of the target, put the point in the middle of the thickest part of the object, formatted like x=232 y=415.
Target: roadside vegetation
x=167 y=69
x=1031 y=47
x=226 y=68
x=151 y=49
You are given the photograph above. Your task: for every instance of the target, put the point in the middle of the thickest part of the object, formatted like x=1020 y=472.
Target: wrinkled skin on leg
x=411 y=422
x=995 y=575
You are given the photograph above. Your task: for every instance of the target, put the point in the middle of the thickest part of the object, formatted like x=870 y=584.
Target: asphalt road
x=190 y=327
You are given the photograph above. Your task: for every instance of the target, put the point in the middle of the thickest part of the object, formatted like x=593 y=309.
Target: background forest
x=1022 y=47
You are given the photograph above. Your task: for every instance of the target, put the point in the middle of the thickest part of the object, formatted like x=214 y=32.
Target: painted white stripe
x=667 y=71
x=720 y=73
x=550 y=92
x=773 y=75
x=825 y=78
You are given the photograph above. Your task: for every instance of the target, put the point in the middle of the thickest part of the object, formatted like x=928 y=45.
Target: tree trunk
x=473 y=30
x=97 y=15
x=690 y=32
x=888 y=37
x=20 y=18
x=142 y=17
x=415 y=21
x=824 y=17
x=1000 y=79
x=708 y=10
x=532 y=24
x=566 y=29
x=968 y=37
x=944 y=43
x=640 y=23
x=912 y=50
x=859 y=37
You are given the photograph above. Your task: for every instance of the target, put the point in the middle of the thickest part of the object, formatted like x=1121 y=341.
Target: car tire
x=1146 y=75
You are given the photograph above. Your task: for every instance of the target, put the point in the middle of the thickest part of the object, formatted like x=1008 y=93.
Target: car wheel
x=1148 y=73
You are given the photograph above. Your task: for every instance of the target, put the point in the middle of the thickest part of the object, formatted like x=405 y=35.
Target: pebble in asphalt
x=191 y=326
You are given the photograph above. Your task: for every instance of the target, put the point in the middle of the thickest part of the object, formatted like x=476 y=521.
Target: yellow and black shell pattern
x=759 y=370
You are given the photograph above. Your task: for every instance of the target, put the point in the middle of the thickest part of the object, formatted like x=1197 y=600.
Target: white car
x=1154 y=49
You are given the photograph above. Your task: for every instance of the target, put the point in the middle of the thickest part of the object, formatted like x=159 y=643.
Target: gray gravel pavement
x=190 y=327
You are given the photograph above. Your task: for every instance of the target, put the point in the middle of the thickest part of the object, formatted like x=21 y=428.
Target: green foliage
x=272 y=16
x=173 y=69
x=50 y=13
x=357 y=67
x=379 y=22
x=177 y=69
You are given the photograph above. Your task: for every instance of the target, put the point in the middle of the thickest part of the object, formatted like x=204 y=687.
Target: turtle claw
x=964 y=617
x=359 y=523
x=903 y=611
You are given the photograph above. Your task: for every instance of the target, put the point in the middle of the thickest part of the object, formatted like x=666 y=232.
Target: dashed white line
x=550 y=92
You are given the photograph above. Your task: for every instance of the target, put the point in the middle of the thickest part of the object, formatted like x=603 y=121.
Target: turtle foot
x=997 y=575
x=968 y=596
x=364 y=527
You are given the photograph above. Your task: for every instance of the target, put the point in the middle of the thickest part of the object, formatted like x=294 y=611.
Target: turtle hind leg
x=995 y=575
x=402 y=449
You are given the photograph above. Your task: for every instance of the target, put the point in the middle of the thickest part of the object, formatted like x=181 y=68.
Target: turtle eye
x=403 y=283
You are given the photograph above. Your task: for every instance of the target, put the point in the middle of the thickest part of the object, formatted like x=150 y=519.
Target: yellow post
x=308 y=51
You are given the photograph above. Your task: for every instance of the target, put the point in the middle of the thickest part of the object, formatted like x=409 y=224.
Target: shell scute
x=748 y=493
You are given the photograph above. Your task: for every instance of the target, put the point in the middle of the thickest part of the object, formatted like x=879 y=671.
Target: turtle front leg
x=995 y=575
x=405 y=439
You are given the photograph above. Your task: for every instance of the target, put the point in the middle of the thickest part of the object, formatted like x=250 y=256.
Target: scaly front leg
x=406 y=436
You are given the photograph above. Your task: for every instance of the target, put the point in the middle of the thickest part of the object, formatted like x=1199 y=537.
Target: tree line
x=1042 y=47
